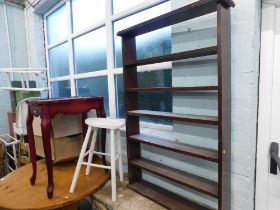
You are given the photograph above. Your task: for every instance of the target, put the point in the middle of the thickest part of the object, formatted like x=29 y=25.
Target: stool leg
x=113 y=165
x=119 y=142
x=79 y=164
x=92 y=145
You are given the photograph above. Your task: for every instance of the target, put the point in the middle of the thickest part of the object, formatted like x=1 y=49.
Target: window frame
x=111 y=71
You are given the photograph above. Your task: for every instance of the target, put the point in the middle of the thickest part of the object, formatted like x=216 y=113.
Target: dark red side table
x=47 y=109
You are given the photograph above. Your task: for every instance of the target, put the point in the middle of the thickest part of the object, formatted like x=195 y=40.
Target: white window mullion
x=71 y=50
x=110 y=59
x=92 y=74
x=91 y=28
x=137 y=8
x=56 y=44
x=54 y=8
x=58 y=79
x=47 y=43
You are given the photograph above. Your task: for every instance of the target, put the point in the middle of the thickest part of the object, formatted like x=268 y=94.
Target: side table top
x=17 y=193
x=62 y=100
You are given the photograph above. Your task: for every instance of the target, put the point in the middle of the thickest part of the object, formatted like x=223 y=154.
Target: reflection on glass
x=87 y=12
x=95 y=86
x=61 y=89
x=120 y=5
x=57 y=25
x=90 y=51
x=152 y=44
x=148 y=100
x=59 y=61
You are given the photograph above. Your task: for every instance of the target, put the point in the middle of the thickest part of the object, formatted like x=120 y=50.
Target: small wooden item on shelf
x=222 y=156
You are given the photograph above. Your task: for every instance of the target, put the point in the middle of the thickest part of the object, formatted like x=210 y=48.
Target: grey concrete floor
x=126 y=199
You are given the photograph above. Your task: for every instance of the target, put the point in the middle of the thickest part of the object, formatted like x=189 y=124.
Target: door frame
x=267 y=66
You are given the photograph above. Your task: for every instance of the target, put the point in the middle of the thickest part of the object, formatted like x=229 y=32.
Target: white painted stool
x=114 y=126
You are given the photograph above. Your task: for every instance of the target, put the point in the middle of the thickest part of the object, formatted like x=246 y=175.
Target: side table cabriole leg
x=45 y=126
x=32 y=147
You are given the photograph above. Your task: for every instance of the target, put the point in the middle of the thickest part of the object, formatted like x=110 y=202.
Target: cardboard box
x=65 y=135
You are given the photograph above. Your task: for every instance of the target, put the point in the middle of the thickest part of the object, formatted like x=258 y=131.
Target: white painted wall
x=4 y=61
x=16 y=22
x=18 y=46
x=35 y=37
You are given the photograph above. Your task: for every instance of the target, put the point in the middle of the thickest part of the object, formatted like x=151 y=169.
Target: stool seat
x=94 y=124
x=106 y=123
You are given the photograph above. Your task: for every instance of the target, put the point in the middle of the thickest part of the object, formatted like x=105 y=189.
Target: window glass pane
x=95 y=86
x=90 y=52
x=59 y=61
x=148 y=100
x=57 y=25
x=120 y=5
x=87 y=12
x=61 y=89
x=149 y=45
x=154 y=44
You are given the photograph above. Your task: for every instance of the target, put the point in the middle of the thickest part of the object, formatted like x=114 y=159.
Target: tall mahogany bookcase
x=220 y=189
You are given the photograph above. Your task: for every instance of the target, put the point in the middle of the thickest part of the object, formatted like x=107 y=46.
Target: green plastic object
x=20 y=95
x=17 y=96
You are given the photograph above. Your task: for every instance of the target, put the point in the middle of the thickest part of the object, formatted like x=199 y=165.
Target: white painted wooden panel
x=274 y=180
x=264 y=118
